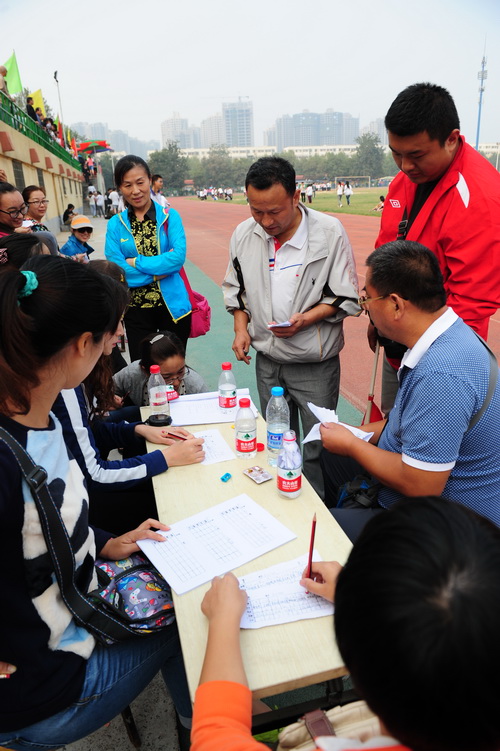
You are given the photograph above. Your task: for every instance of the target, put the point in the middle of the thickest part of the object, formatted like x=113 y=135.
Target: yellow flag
x=38 y=101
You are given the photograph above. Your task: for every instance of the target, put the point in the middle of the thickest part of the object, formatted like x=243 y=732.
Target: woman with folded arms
x=148 y=242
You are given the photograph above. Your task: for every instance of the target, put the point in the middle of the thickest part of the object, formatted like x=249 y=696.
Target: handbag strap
x=491 y=384
x=103 y=625
x=317 y=723
x=183 y=276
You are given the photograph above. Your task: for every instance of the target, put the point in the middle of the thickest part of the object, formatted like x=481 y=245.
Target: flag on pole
x=373 y=414
x=60 y=131
x=13 y=77
x=38 y=101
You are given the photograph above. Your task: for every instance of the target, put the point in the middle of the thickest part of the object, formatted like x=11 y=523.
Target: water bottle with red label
x=289 y=467
x=158 y=398
x=227 y=389
x=246 y=431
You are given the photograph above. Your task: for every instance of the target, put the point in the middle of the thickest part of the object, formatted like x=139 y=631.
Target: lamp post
x=60 y=105
x=482 y=75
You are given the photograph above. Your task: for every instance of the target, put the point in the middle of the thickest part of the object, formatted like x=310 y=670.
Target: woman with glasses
x=12 y=210
x=166 y=350
x=37 y=202
x=77 y=246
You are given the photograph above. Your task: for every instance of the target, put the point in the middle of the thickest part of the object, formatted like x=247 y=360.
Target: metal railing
x=12 y=115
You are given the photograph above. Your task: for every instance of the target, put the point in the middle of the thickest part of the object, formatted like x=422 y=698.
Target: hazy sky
x=132 y=64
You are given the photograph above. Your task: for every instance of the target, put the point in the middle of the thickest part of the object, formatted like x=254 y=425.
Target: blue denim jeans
x=114 y=677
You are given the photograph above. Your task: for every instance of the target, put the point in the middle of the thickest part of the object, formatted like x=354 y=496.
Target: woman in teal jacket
x=149 y=244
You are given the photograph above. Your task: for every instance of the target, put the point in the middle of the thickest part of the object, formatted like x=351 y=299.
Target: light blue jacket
x=74 y=246
x=171 y=243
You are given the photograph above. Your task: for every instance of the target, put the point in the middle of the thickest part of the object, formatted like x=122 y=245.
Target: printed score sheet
x=214 y=542
x=275 y=595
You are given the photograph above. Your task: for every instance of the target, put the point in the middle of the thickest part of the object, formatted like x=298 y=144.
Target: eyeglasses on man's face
x=171 y=378
x=15 y=213
x=363 y=300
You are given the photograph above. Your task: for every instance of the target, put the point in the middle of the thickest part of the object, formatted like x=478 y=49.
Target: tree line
x=220 y=170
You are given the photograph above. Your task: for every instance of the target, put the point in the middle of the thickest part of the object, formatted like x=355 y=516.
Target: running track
x=209 y=226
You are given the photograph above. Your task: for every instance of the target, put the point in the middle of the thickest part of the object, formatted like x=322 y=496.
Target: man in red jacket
x=447 y=197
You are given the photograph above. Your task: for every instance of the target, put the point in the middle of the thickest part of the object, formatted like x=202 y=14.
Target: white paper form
x=215 y=447
x=202 y=409
x=275 y=595
x=329 y=415
x=214 y=542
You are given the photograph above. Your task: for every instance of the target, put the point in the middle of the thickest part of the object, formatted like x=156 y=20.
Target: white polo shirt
x=284 y=269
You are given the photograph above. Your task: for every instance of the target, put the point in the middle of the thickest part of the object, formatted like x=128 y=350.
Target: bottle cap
x=289 y=435
x=260 y=447
x=227 y=366
x=154 y=369
x=159 y=421
x=277 y=391
x=244 y=402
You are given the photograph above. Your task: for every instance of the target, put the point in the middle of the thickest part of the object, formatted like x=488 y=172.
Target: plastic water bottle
x=246 y=431
x=227 y=389
x=289 y=467
x=278 y=421
x=158 y=400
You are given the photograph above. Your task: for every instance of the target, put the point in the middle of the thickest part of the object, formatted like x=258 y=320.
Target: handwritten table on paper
x=215 y=541
x=215 y=447
x=275 y=595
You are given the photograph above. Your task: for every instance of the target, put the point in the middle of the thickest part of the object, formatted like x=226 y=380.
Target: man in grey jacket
x=294 y=266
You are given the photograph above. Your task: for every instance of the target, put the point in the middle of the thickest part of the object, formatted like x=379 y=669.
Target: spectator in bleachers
x=3 y=82
x=31 y=110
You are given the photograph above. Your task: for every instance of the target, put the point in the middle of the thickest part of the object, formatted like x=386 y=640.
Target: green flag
x=13 y=77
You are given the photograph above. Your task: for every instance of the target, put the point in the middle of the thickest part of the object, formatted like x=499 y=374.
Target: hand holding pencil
x=323 y=579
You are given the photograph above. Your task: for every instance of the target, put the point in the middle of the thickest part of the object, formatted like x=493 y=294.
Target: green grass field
x=362 y=202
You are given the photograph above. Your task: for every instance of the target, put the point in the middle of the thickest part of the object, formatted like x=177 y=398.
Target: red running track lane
x=209 y=226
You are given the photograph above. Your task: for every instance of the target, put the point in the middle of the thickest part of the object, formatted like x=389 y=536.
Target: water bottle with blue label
x=278 y=422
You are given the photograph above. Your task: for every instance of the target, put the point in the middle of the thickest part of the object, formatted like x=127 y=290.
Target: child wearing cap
x=77 y=246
